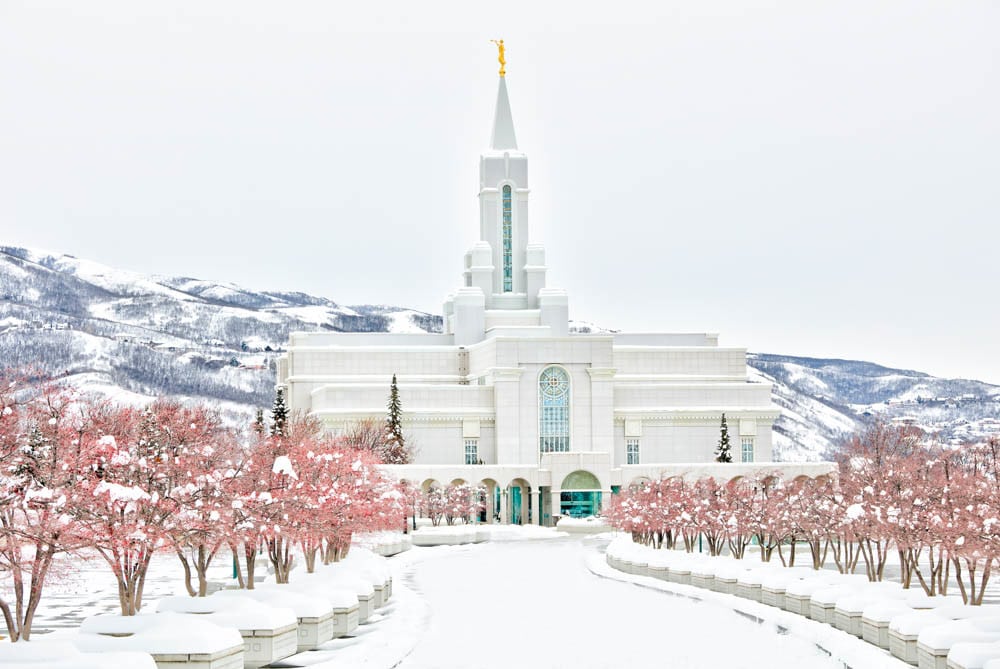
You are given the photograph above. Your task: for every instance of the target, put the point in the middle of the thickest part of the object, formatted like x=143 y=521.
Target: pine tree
x=394 y=451
x=259 y=427
x=723 y=453
x=279 y=414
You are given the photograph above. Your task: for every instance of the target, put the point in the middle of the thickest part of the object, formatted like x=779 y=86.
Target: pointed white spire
x=503 y=138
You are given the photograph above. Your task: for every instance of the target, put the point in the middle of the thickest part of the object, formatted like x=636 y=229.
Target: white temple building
x=551 y=421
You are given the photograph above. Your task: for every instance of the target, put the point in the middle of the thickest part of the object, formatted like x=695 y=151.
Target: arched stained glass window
x=553 y=410
x=508 y=242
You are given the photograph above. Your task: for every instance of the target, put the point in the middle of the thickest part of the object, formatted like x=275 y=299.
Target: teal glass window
x=508 y=242
x=553 y=410
x=632 y=452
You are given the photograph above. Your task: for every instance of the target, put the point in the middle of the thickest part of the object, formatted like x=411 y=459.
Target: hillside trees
x=38 y=431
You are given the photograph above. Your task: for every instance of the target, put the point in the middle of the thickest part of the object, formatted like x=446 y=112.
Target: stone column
x=602 y=411
x=540 y=517
x=504 y=517
x=507 y=406
x=555 y=504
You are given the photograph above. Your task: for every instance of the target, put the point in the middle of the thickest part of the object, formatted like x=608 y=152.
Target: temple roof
x=503 y=138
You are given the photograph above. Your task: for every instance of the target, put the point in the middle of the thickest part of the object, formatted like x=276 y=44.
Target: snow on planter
x=314 y=614
x=748 y=584
x=269 y=633
x=798 y=594
x=373 y=567
x=727 y=575
x=875 y=619
x=46 y=654
x=972 y=655
x=934 y=642
x=174 y=641
x=343 y=598
x=774 y=583
x=448 y=535
x=824 y=601
x=589 y=525
x=658 y=563
x=384 y=543
x=904 y=630
x=679 y=570
x=703 y=573
x=849 y=607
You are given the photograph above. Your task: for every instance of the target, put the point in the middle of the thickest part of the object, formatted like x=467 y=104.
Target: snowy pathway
x=535 y=604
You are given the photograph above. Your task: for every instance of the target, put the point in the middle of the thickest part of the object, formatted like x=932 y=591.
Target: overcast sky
x=804 y=177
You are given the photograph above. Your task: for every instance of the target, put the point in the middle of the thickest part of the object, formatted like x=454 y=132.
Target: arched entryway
x=518 y=506
x=580 y=495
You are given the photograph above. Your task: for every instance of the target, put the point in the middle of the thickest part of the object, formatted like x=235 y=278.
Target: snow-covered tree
x=37 y=434
x=724 y=452
x=394 y=450
x=279 y=414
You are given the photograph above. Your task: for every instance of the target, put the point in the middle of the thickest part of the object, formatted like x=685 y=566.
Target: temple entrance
x=580 y=495
x=580 y=503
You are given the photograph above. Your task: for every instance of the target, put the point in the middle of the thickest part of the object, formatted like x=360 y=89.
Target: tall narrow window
x=746 y=449
x=471 y=451
x=553 y=410
x=508 y=242
x=632 y=452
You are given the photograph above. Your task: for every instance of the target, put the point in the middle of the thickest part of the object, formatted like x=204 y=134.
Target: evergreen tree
x=394 y=451
x=259 y=427
x=279 y=414
x=723 y=453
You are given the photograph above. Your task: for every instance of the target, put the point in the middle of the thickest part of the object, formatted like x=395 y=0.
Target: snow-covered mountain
x=823 y=401
x=133 y=337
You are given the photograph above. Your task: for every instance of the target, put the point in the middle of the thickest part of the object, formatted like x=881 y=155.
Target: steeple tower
x=504 y=274
x=503 y=138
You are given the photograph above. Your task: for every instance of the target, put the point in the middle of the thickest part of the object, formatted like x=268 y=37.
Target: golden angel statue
x=503 y=61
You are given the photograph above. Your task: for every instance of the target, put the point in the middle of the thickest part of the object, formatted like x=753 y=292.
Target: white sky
x=804 y=177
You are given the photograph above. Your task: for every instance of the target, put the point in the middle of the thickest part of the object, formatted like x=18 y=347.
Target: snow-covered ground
x=531 y=597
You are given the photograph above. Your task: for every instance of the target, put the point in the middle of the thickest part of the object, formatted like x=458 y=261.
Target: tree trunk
x=187 y=571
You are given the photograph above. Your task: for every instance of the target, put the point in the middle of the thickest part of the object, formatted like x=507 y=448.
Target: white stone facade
x=620 y=407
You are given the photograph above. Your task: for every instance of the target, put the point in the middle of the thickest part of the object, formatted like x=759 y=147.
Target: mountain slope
x=134 y=337
x=117 y=331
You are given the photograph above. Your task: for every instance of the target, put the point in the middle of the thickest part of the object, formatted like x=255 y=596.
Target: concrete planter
x=935 y=642
x=345 y=620
x=314 y=614
x=174 y=641
x=264 y=646
x=875 y=620
x=970 y=655
x=679 y=573
x=903 y=646
x=269 y=633
x=52 y=654
x=904 y=630
x=823 y=601
x=727 y=573
x=748 y=584
x=314 y=630
x=703 y=574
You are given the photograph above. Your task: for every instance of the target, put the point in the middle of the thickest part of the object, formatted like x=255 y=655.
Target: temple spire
x=503 y=138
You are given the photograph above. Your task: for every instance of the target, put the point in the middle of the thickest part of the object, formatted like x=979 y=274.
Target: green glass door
x=515 y=506
x=579 y=503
